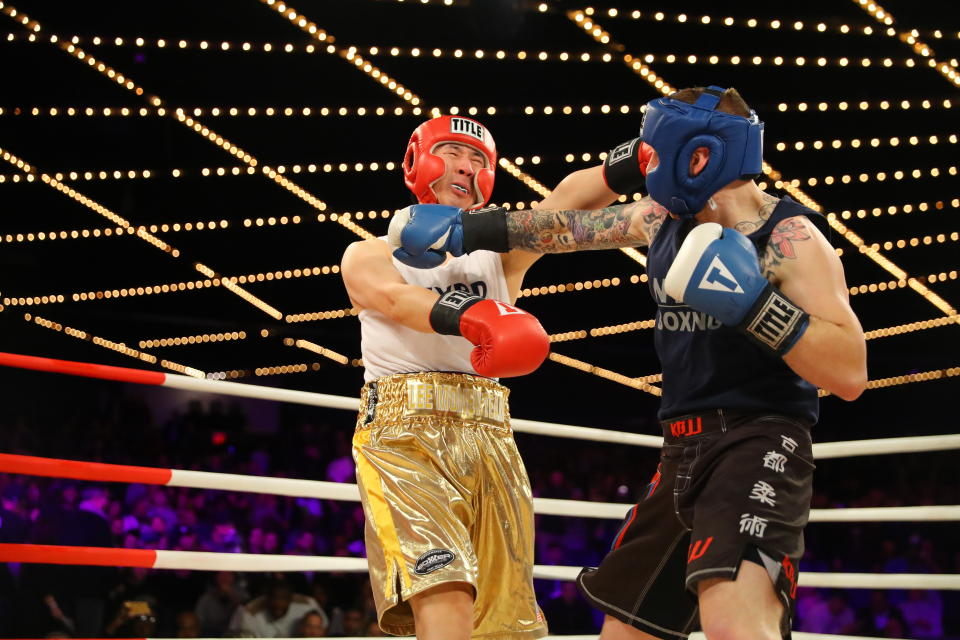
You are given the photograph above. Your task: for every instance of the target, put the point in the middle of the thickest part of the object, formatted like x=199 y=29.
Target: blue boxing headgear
x=675 y=129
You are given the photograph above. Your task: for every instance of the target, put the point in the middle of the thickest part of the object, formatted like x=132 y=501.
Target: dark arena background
x=180 y=180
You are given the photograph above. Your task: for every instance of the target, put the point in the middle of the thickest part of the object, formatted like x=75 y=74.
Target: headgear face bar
x=675 y=129
x=422 y=168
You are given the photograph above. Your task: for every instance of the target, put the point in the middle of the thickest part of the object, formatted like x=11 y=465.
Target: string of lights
x=203 y=338
x=774 y=24
x=118 y=347
x=641 y=325
x=607 y=374
x=171 y=43
x=174 y=287
x=233 y=374
x=794 y=190
x=911 y=38
x=866 y=105
x=856 y=143
x=207 y=172
x=909 y=327
x=633 y=63
x=140 y=232
x=916 y=241
x=182 y=117
x=923 y=376
x=511 y=166
x=315 y=348
x=178 y=227
x=354 y=111
x=584 y=285
x=913 y=283
x=446 y=3
x=31 y=171
x=880 y=176
x=78 y=53
x=919 y=207
x=350 y=54
x=314 y=316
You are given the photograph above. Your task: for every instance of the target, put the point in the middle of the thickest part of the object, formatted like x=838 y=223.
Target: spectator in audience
x=274 y=614
x=134 y=619
x=833 y=616
x=354 y=622
x=218 y=603
x=188 y=625
x=923 y=613
x=313 y=625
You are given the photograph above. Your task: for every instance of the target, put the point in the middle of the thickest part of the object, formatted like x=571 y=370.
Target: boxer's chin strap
x=485 y=229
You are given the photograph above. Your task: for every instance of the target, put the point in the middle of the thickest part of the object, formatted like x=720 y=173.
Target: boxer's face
x=455 y=188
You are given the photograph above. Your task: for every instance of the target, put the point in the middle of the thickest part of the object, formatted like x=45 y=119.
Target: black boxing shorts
x=729 y=487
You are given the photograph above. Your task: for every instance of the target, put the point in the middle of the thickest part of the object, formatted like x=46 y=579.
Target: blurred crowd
x=67 y=601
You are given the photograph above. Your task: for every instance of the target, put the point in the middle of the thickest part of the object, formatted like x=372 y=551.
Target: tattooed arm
x=562 y=230
x=571 y=219
x=832 y=353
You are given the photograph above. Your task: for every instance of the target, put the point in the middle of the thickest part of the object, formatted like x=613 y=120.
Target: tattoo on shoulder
x=782 y=246
x=562 y=230
x=746 y=227
x=785 y=235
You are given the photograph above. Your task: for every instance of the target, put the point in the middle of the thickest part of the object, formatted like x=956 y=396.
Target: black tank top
x=707 y=365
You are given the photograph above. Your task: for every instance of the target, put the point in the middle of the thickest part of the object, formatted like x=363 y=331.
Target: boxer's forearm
x=564 y=230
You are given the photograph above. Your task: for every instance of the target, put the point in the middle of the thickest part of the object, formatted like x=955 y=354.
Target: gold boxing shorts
x=447 y=499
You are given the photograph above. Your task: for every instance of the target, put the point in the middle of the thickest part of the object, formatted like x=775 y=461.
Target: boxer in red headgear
x=432 y=143
x=448 y=503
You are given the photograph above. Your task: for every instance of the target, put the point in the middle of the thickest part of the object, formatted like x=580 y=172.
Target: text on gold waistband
x=467 y=402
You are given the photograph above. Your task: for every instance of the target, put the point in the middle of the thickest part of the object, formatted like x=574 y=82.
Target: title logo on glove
x=718 y=278
x=622 y=152
x=456 y=298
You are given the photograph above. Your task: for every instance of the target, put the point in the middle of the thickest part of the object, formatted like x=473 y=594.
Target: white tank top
x=388 y=347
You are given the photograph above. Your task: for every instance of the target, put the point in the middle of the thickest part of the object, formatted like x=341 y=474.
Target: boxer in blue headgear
x=676 y=129
x=753 y=315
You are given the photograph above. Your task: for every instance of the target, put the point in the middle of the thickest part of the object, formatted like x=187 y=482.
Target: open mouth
x=461 y=189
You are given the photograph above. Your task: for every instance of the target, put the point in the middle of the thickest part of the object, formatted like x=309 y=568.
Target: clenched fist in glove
x=421 y=235
x=625 y=168
x=717 y=271
x=508 y=341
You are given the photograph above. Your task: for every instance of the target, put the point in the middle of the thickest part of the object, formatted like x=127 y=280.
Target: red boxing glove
x=625 y=167
x=509 y=341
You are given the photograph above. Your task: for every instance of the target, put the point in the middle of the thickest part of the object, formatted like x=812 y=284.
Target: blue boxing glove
x=717 y=271
x=422 y=234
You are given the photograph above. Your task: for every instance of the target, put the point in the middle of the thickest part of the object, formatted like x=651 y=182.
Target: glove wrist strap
x=774 y=321
x=621 y=168
x=485 y=229
x=446 y=311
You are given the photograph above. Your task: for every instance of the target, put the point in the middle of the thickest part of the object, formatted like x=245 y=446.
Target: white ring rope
x=821 y=450
x=250 y=562
x=96 y=471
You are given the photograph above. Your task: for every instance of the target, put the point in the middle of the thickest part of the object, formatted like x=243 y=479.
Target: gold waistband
x=458 y=396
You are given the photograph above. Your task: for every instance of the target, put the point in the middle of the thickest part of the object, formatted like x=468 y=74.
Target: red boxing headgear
x=421 y=168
